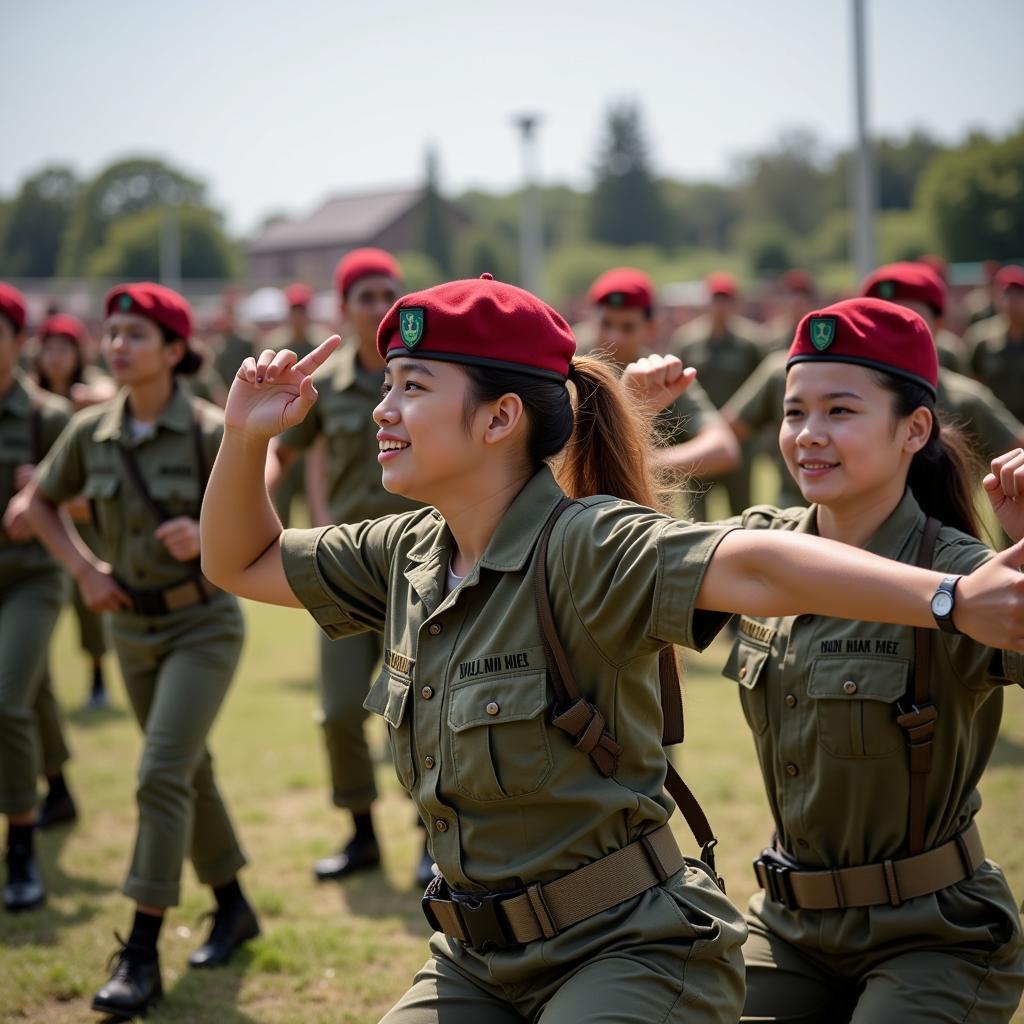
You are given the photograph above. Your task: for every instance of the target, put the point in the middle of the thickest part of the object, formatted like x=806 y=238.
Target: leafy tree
x=478 y=251
x=434 y=234
x=701 y=214
x=768 y=248
x=419 y=271
x=626 y=206
x=973 y=199
x=124 y=188
x=132 y=247
x=36 y=219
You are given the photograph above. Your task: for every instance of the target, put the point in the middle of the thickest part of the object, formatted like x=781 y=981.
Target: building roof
x=344 y=220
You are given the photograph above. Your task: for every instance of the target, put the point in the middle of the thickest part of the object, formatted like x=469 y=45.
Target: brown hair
x=603 y=440
x=943 y=474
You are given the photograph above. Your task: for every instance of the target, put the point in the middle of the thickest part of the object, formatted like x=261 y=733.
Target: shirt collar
x=176 y=416
x=891 y=537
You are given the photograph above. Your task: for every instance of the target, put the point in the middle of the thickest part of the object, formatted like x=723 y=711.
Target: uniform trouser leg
x=346 y=668
x=175 y=694
x=29 y=608
x=53 y=748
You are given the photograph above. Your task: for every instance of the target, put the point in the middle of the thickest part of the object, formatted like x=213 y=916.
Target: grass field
x=339 y=953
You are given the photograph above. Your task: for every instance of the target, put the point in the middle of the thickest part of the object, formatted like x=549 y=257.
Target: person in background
x=996 y=345
x=799 y=296
x=980 y=302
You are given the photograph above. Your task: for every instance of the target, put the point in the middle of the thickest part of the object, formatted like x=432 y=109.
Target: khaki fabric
x=91 y=634
x=506 y=798
x=819 y=696
x=53 y=746
x=952 y=351
x=230 y=351
x=997 y=360
x=284 y=337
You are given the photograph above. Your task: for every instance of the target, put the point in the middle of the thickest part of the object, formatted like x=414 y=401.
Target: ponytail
x=602 y=441
x=943 y=474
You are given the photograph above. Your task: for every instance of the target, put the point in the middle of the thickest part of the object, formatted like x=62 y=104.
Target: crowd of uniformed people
x=433 y=445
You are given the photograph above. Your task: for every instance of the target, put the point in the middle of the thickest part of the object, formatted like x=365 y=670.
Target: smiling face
x=434 y=443
x=840 y=438
x=134 y=349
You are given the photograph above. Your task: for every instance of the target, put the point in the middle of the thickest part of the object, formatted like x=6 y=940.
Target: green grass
x=339 y=953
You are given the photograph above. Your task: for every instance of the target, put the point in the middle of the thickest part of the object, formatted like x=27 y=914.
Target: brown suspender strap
x=584 y=722
x=917 y=714
x=35 y=433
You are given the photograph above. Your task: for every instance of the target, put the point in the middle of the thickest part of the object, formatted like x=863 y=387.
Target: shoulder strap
x=131 y=465
x=584 y=722
x=917 y=713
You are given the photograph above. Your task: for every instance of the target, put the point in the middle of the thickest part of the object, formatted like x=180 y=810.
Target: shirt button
x=743 y=672
x=849 y=686
x=790 y=700
x=434 y=629
x=428 y=761
x=492 y=708
x=792 y=770
x=441 y=825
x=426 y=693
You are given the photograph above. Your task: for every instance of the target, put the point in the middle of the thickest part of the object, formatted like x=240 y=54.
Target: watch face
x=942 y=604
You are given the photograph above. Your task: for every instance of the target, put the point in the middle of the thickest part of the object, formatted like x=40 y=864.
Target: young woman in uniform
x=143 y=459
x=879 y=902
x=59 y=365
x=562 y=891
x=32 y=590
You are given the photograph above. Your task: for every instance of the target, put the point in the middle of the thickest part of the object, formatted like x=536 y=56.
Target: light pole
x=531 y=230
x=863 y=165
x=170 y=235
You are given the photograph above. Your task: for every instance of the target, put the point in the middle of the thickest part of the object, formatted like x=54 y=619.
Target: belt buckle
x=482 y=921
x=773 y=874
x=149 y=602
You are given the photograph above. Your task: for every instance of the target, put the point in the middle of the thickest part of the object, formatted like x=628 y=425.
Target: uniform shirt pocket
x=745 y=665
x=854 y=702
x=389 y=698
x=499 y=736
x=178 y=493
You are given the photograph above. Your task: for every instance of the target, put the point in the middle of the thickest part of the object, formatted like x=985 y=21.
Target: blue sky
x=277 y=105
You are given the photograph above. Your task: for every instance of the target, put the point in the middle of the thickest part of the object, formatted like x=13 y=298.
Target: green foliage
x=435 y=239
x=626 y=207
x=478 y=251
x=768 y=248
x=899 y=235
x=35 y=221
x=419 y=270
x=701 y=214
x=124 y=188
x=132 y=248
x=974 y=199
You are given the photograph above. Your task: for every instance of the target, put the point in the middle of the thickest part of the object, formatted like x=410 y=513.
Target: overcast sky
x=277 y=105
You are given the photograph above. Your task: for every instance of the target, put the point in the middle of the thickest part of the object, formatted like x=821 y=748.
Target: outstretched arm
x=239 y=530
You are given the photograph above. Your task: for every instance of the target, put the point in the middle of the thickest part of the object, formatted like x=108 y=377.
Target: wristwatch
x=943 y=603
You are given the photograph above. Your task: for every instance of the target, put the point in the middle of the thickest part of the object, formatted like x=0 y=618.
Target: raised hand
x=990 y=601
x=655 y=381
x=1005 y=489
x=274 y=391
x=180 y=536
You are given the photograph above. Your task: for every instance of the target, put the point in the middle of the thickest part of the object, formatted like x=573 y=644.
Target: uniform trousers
x=53 y=747
x=177 y=669
x=30 y=602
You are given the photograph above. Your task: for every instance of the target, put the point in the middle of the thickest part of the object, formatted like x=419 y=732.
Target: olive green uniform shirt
x=952 y=351
x=507 y=799
x=344 y=415
x=85 y=461
x=723 y=363
x=284 y=337
x=997 y=360
x=230 y=351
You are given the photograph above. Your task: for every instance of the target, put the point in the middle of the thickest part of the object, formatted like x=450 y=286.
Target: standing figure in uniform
x=879 y=904
x=725 y=348
x=562 y=894
x=368 y=282
x=996 y=345
x=32 y=590
x=799 y=297
x=143 y=459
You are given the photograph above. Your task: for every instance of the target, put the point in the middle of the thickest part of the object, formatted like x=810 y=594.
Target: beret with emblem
x=869 y=332
x=360 y=263
x=298 y=295
x=623 y=288
x=720 y=283
x=1009 y=277
x=60 y=324
x=479 y=322
x=164 y=307
x=907 y=282
x=12 y=305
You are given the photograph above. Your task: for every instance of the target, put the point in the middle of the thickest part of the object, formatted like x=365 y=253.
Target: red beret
x=913 y=282
x=481 y=322
x=798 y=281
x=155 y=302
x=12 y=305
x=360 y=263
x=624 y=288
x=298 y=295
x=720 y=283
x=62 y=324
x=869 y=332
x=1010 y=276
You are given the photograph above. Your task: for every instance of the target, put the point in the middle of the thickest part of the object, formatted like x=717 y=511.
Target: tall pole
x=170 y=237
x=531 y=230
x=863 y=164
